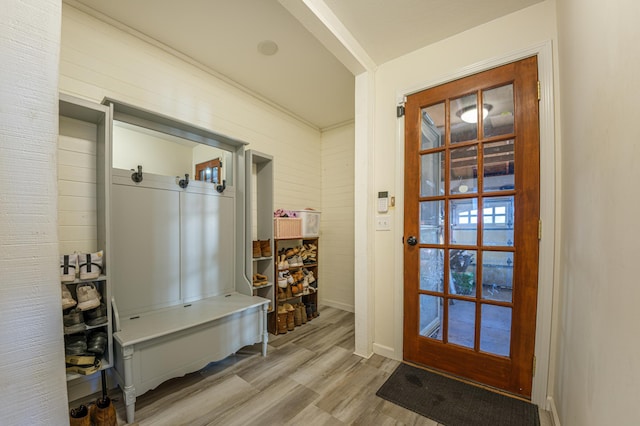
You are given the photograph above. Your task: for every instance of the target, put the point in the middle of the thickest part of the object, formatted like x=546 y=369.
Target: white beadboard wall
x=98 y=60
x=77 y=220
x=337 y=236
x=32 y=378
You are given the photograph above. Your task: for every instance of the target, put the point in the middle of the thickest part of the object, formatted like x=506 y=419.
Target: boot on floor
x=104 y=413
x=79 y=416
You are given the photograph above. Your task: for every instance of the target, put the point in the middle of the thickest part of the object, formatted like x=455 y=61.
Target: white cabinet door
x=145 y=247
x=207 y=229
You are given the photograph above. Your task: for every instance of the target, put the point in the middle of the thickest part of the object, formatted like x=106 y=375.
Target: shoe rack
x=296 y=264
x=84 y=180
x=259 y=226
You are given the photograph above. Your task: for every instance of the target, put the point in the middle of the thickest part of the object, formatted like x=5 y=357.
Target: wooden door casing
x=511 y=373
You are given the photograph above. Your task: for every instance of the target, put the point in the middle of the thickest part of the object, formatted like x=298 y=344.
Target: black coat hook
x=183 y=183
x=137 y=176
x=221 y=188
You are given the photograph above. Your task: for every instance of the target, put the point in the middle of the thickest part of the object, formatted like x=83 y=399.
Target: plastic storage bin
x=310 y=222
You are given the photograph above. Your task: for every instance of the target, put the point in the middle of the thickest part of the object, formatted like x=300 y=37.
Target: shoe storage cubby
x=83 y=227
x=85 y=327
x=296 y=271
x=259 y=201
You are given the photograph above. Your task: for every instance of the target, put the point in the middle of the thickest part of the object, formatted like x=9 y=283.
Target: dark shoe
x=79 y=416
x=97 y=343
x=75 y=345
x=309 y=312
x=97 y=316
x=73 y=322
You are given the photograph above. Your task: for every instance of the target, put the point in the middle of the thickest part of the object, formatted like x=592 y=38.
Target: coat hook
x=137 y=176
x=221 y=188
x=183 y=183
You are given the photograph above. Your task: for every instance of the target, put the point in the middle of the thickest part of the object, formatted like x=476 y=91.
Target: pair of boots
x=102 y=413
x=261 y=248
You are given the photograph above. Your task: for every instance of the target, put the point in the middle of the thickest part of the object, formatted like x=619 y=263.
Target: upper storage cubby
x=177 y=212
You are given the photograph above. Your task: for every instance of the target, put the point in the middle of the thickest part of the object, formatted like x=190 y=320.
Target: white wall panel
x=145 y=248
x=598 y=349
x=77 y=209
x=337 y=237
x=207 y=226
x=98 y=60
x=32 y=378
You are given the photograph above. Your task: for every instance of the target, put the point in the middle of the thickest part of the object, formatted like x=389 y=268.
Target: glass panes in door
x=472 y=197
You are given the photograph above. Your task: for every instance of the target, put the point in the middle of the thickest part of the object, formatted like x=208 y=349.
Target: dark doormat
x=454 y=403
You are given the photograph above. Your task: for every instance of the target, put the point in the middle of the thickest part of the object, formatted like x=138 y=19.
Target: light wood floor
x=309 y=377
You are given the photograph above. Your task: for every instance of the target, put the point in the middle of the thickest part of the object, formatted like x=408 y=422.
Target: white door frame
x=548 y=201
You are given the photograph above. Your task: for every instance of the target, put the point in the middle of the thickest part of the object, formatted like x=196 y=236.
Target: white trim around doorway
x=548 y=203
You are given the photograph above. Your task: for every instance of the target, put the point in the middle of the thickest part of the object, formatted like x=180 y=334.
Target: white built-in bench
x=171 y=342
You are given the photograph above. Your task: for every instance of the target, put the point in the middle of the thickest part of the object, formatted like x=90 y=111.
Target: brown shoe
x=256 y=249
x=104 y=413
x=265 y=247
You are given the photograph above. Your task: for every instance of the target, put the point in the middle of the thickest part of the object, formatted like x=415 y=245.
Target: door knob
x=412 y=241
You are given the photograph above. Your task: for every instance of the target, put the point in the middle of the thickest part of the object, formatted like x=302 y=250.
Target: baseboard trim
x=338 y=305
x=551 y=406
x=385 y=351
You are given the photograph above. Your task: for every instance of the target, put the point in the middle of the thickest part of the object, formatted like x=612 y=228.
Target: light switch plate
x=383 y=223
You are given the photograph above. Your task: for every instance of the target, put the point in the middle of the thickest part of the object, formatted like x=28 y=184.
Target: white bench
x=156 y=346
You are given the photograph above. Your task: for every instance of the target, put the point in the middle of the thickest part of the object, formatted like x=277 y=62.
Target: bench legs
x=129 y=390
x=265 y=331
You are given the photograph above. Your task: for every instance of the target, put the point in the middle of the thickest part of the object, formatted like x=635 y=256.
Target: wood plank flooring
x=309 y=377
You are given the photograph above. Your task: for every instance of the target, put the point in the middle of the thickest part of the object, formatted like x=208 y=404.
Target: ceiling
x=304 y=77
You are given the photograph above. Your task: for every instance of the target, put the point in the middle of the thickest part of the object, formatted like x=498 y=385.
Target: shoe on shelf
x=97 y=316
x=68 y=267
x=88 y=296
x=305 y=284
x=67 y=299
x=82 y=360
x=282 y=281
x=97 y=343
x=282 y=319
x=265 y=247
x=85 y=370
x=73 y=322
x=255 y=245
x=90 y=265
x=282 y=295
x=75 y=345
x=259 y=278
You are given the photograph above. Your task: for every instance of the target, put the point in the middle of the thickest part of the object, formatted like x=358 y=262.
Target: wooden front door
x=471 y=226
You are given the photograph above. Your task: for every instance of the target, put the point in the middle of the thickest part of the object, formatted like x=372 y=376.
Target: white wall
x=598 y=347
x=99 y=60
x=156 y=155
x=77 y=220
x=31 y=350
x=410 y=73
x=337 y=243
